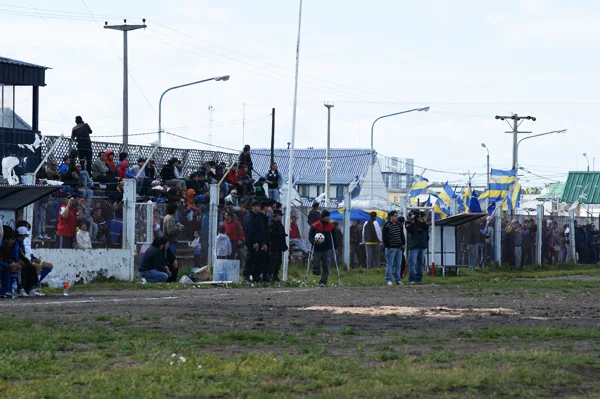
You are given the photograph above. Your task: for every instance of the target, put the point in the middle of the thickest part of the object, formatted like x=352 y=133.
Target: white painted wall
x=79 y=265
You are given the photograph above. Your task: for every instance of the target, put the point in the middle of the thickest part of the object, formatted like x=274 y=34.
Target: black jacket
x=277 y=236
x=167 y=172
x=152 y=259
x=314 y=216
x=327 y=230
x=418 y=234
x=256 y=229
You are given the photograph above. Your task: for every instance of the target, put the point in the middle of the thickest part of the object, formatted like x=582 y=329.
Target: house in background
x=397 y=173
x=347 y=166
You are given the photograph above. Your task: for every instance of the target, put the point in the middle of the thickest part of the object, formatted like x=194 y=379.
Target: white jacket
x=83 y=240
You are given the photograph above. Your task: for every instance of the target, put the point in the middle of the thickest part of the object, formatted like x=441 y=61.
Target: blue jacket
x=204 y=228
x=115 y=228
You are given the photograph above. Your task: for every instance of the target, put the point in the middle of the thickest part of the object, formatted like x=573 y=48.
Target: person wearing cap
x=246 y=159
x=274 y=182
x=43 y=268
x=277 y=245
x=372 y=238
x=233 y=199
x=295 y=238
x=322 y=252
x=256 y=233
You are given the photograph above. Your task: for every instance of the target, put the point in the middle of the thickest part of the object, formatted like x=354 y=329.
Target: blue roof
x=4 y=60
x=309 y=164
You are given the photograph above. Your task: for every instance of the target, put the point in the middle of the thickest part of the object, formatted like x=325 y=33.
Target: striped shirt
x=393 y=235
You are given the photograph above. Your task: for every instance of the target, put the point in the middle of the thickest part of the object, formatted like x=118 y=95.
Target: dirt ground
x=376 y=315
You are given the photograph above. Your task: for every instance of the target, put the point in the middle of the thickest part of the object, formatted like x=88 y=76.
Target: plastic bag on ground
x=185 y=280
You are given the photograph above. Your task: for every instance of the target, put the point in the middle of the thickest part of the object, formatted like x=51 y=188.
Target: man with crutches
x=321 y=239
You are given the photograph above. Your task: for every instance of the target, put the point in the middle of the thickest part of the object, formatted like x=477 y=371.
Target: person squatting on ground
x=393 y=242
x=152 y=266
x=322 y=252
x=257 y=236
x=418 y=232
x=372 y=239
x=278 y=245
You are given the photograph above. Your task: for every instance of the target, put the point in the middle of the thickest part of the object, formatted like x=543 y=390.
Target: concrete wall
x=83 y=266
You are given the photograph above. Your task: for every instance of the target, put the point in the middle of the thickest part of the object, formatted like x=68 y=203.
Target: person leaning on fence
x=172 y=229
x=372 y=239
x=152 y=266
x=322 y=252
x=393 y=242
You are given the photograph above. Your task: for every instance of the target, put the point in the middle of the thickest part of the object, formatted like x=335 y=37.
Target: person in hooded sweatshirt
x=322 y=252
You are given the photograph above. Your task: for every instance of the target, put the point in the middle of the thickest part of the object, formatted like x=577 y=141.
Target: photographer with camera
x=68 y=215
x=418 y=240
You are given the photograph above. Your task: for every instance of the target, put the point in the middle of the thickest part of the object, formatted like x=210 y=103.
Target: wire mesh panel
x=144 y=213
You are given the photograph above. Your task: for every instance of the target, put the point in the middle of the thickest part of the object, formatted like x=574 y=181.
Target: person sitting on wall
x=152 y=267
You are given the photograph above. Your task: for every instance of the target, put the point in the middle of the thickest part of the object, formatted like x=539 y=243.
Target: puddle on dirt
x=438 y=312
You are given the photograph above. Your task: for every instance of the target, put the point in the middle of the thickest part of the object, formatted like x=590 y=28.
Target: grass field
x=495 y=333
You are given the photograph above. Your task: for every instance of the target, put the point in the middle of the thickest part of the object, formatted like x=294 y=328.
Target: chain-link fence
x=89 y=223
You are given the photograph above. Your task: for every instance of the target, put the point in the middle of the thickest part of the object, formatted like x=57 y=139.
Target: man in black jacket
x=322 y=252
x=152 y=266
x=81 y=133
x=256 y=231
x=418 y=232
x=277 y=243
x=393 y=242
x=315 y=214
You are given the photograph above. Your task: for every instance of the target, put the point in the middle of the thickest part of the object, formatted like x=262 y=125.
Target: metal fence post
x=498 y=235
x=128 y=233
x=28 y=179
x=213 y=220
x=150 y=221
x=538 y=240
x=347 y=222
x=572 y=235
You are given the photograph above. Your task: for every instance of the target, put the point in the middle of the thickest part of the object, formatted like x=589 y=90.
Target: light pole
x=487 y=199
x=373 y=151
x=218 y=79
x=587 y=159
x=328 y=154
x=530 y=137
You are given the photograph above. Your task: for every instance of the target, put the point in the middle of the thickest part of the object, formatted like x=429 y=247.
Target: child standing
x=83 y=237
x=223 y=244
x=197 y=248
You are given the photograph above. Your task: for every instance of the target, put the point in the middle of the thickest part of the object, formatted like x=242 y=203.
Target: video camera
x=416 y=214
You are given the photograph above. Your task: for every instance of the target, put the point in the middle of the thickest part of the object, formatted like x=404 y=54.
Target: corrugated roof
x=19 y=196
x=309 y=164
x=4 y=60
x=583 y=187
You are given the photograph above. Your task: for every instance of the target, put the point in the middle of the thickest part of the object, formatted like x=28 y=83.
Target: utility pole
x=210 y=122
x=273 y=137
x=328 y=154
x=517 y=120
x=125 y=28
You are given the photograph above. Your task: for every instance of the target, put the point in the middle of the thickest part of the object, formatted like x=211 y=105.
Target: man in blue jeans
x=152 y=267
x=393 y=242
x=418 y=240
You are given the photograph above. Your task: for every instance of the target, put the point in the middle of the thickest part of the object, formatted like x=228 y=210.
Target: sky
x=468 y=60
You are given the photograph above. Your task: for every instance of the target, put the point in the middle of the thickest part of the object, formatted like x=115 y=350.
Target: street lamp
x=530 y=137
x=587 y=159
x=217 y=78
x=487 y=199
x=373 y=151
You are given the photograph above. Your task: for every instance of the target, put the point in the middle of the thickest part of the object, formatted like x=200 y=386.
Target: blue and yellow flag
x=513 y=198
x=447 y=194
x=418 y=187
x=440 y=209
x=471 y=201
x=500 y=182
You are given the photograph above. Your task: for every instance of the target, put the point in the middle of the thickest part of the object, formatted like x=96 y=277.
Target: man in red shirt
x=67 y=221
x=295 y=238
x=235 y=232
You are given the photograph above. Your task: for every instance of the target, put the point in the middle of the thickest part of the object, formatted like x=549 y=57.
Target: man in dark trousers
x=322 y=252
x=418 y=240
x=355 y=240
x=393 y=242
x=256 y=239
x=315 y=214
x=81 y=133
x=277 y=243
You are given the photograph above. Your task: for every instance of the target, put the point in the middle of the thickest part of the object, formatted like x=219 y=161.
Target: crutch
x=309 y=259
x=335 y=259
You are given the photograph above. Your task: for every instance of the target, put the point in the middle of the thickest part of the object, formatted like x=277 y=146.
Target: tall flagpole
x=288 y=200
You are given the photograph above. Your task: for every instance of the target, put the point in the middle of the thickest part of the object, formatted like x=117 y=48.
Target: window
x=304 y=191
x=320 y=190
x=339 y=191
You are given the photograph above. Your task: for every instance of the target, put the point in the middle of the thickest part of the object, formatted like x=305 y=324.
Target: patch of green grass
x=102 y=318
x=532 y=334
x=345 y=330
x=387 y=356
